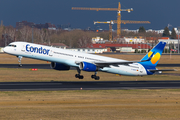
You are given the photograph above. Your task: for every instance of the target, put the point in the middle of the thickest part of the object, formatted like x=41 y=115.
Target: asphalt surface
x=47 y=66
x=96 y=85
x=38 y=66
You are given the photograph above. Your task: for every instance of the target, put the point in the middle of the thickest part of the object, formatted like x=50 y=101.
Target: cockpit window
x=12 y=45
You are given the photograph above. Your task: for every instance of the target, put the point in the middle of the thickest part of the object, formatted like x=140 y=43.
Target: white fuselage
x=71 y=58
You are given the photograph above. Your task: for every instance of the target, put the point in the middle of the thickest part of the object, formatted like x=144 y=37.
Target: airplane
x=62 y=59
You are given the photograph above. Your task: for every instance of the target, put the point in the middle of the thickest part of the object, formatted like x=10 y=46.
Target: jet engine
x=59 y=66
x=87 y=67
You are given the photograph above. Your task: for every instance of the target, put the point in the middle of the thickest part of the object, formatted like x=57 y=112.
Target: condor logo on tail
x=37 y=50
x=155 y=57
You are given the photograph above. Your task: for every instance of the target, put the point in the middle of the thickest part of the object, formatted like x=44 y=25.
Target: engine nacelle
x=88 y=67
x=59 y=66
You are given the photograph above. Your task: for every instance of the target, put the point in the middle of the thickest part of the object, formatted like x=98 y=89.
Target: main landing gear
x=95 y=77
x=78 y=75
x=81 y=76
x=20 y=57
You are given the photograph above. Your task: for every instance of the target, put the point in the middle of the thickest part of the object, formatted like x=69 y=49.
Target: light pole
x=32 y=34
x=5 y=36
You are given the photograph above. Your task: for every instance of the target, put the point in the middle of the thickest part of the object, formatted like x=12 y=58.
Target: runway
x=95 y=85
x=47 y=66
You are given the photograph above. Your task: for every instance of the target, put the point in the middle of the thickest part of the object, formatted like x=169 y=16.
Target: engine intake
x=59 y=66
x=87 y=67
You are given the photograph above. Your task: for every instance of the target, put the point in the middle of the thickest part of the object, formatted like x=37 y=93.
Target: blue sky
x=159 y=12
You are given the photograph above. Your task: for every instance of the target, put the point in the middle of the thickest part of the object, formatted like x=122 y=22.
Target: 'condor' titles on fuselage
x=40 y=50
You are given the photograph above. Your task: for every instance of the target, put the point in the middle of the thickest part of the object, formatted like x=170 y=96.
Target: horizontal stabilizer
x=161 y=70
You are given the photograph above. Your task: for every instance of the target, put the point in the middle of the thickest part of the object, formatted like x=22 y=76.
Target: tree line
x=166 y=32
x=74 y=38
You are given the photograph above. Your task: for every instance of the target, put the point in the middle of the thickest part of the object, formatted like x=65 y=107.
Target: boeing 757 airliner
x=62 y=59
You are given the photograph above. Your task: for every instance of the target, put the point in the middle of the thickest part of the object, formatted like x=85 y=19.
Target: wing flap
x=107 y=64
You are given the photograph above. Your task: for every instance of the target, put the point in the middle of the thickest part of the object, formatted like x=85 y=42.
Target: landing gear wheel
x=97 y=78
x=93 y=76
x=20 y=65
x=79 y=76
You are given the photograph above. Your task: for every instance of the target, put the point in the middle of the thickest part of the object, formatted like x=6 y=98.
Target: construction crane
x=110 y=27
x=122 y=22
x=109 y=9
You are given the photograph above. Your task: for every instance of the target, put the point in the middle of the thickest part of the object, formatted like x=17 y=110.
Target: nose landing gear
x=20 y=57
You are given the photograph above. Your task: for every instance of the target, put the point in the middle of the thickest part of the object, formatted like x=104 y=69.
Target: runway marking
x=32 y=84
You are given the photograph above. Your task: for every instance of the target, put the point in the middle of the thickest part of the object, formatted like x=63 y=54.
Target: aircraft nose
x=5 y=50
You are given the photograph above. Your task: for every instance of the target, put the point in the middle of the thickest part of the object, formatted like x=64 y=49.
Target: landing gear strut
x=78 y=75
x=20 y=57
x=95 y=77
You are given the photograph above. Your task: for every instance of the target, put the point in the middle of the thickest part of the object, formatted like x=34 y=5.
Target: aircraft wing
x=115 y=63
x=107 y=64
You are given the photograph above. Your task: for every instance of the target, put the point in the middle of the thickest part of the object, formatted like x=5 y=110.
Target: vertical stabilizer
x=152 y=57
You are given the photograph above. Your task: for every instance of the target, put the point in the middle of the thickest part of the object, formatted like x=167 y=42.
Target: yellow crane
x=109 y=9
x=122 y=22
x=110 y=27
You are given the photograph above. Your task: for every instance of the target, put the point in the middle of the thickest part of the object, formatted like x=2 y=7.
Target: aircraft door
x=51 y=53
x=141 y=69
x=23 y=48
